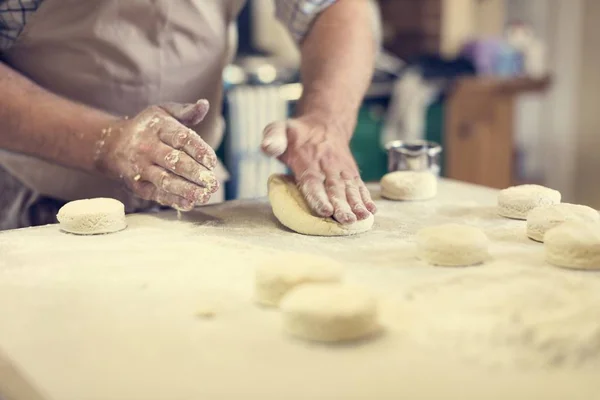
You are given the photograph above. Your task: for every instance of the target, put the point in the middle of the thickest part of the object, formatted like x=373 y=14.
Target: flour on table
x=92 y=216
x=496 y=318
x=291 y=210
x=329 y=312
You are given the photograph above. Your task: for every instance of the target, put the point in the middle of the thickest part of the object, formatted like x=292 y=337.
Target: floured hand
x=159 y=158
x=326 y=173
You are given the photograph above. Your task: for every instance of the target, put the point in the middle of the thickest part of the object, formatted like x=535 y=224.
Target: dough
x=291 y=210
x=409 y=185
x=543 y=218
x=329 y=312
x=282 y=273
x=92 y=216
x=574 y=244
x=516 y=201
x=452 y=245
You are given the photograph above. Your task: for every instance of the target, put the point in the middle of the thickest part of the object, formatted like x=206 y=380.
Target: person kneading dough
x=290 y=208
x=87 y=111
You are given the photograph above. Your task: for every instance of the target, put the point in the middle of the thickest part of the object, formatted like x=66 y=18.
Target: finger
x=312 y=188
x=366 y=196
x=171 y=183
x=355 y=201
x=148 y=191
x=275 y=142
x=179 y=137
x=336 y=190
x=188 y=114
x=183 y=165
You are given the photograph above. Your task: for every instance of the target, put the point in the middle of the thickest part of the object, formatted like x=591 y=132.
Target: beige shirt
x=123 y=56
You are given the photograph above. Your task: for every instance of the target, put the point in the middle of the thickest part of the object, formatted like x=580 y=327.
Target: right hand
x=159 y=158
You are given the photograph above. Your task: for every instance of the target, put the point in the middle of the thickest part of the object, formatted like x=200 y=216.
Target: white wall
x=588 y=143
x=547 y=126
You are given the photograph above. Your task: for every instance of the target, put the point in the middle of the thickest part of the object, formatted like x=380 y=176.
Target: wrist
x=329 y=110
x=336 y=123
x=106 y=134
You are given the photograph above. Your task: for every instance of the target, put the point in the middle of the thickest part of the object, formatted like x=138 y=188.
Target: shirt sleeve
x=13 y=17
x=298 y=15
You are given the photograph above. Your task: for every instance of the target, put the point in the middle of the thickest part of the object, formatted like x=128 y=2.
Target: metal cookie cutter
x=414 y=155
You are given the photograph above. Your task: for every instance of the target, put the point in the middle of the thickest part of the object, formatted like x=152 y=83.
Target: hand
x=159 y=158
x=318 y=154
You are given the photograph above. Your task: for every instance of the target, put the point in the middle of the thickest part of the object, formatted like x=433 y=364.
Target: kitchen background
x=509 y=87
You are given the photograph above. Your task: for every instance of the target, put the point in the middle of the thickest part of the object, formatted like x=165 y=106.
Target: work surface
x=121 y=316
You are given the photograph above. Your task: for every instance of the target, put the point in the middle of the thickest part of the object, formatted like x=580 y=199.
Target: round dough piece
x=516 y=201
x=574 y=244
x=409 y=185
x=452 y=245
x=291 y=210
x=282 y=273
x=92 y=216
x=329 y=313
x=544 y=218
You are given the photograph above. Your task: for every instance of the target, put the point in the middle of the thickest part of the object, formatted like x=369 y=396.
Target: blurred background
x=508 y=87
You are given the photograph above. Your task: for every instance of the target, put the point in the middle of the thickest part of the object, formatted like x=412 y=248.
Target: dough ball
x=574 y=244
x=291 y=210
x=409 y=185
x=282 y=273
x=452 y=245
x=329 y=313
x=516 y=201
x=92 y=216
x=542 y=219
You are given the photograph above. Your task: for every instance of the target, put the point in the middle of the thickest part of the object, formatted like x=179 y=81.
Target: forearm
x=36 y=122
x=338 y=57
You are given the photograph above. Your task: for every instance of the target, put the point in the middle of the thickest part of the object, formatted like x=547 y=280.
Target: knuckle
x=179 y=138
x=164 y=181
x=172 y=159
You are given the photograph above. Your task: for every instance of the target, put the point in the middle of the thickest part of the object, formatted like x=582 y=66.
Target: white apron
x=122 y=56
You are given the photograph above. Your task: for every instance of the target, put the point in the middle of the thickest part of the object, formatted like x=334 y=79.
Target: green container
x=366 y=142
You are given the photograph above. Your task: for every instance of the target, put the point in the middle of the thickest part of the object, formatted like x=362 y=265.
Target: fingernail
x=345 y=218
x=372 y=207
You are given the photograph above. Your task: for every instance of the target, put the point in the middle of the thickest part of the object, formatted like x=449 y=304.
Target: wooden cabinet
x=478 y=135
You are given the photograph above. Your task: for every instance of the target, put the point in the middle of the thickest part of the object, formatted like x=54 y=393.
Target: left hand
x=318 y=153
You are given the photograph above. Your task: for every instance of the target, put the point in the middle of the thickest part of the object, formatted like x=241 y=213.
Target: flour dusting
x=509 y=317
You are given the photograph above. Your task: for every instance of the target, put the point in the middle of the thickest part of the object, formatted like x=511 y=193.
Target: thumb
x=275 y=141
x=188 y=114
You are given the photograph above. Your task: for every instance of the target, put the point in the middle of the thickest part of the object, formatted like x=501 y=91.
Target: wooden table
x=115 y=317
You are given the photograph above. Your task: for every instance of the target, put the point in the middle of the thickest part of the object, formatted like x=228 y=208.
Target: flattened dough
x=92 y=216
x=541 y=219
x=452 y=245
x=329 y=312
x=409 y=185
x=574 y=244
x=516 y=201
x=291 y=210
x=282 y=273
